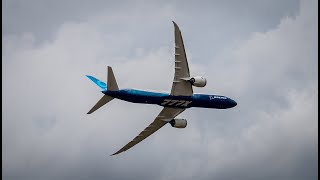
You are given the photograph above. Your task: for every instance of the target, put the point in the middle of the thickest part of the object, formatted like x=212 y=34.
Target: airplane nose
x=233 y=103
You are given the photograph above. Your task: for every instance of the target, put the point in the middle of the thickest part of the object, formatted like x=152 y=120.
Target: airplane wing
x=166 y=115
x=180 y=87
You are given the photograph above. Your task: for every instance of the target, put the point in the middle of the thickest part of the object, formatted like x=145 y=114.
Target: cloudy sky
x=263 y=54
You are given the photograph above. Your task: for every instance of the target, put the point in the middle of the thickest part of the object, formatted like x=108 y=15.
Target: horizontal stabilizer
x=104 y=100
x=112 y=83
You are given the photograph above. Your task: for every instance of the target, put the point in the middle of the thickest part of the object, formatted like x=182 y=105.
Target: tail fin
x=101 y=84
x=110 y=86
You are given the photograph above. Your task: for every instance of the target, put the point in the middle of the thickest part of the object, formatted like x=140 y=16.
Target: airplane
x=180 y=98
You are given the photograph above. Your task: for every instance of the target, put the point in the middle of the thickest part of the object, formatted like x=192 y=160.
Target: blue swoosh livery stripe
x=101 y=84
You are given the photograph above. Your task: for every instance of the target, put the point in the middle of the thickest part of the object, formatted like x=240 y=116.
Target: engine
x=198 y=81
x=178 y=123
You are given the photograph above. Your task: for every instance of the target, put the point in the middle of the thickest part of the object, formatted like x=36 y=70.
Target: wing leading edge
x=180 y=87
x=163 y=118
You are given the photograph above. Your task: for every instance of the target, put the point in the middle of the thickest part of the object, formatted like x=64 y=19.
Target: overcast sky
x=263 y=54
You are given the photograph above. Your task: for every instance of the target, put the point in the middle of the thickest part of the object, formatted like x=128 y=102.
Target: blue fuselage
x=167 y=100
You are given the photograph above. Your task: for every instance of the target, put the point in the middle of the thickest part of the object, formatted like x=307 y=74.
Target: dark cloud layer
x=218 y=21
x=265 y=59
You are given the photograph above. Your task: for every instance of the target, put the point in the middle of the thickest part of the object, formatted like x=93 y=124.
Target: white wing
x=180 y=87
x=163 y=118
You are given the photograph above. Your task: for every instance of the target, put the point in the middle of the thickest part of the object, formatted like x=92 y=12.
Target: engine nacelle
x=198 y=81
x=178 y=123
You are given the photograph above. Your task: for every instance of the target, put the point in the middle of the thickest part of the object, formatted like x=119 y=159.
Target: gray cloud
x=270 y=70
x=218 y=21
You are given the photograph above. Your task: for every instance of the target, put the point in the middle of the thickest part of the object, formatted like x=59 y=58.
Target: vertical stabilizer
x=110 y=86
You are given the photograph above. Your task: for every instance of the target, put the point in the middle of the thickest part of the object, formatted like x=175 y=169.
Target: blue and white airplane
x=180 y=98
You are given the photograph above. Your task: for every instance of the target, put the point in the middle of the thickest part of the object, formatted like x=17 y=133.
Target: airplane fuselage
x=167 y=100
